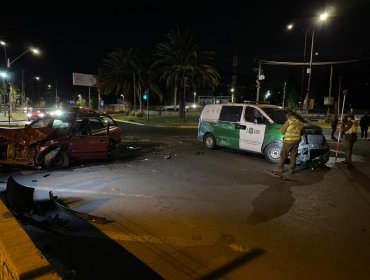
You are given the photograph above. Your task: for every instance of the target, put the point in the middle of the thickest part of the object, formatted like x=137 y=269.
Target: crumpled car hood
x=24 y=136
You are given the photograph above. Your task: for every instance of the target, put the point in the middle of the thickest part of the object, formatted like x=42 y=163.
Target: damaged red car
x=53 y=142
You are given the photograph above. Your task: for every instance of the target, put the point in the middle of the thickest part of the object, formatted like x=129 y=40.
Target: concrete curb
x=19 y=257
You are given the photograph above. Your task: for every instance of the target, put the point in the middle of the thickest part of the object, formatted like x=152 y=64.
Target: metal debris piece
x=19 y=197
x=85 y=216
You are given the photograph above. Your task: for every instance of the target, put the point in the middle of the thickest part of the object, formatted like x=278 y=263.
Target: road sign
x=87 y=80
x=329 y=100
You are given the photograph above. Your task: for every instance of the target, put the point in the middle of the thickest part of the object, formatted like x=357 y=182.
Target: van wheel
x=209 y=141
x=272 y=152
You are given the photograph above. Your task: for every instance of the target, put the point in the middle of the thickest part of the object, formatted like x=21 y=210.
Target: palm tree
x=180 y=63
x=126 y=72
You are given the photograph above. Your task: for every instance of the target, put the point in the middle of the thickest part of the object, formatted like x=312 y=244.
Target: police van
x=256 y=128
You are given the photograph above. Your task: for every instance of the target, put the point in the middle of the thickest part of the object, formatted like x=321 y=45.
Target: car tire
x=209 y=141
x=60 y=161
x=272 y=152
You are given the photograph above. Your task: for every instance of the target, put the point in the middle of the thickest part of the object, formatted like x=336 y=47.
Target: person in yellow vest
x=349 y=130
x=292 y=130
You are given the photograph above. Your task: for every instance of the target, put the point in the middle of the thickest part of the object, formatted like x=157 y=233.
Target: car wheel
x=209 y=141
x=61 y=160
x=272 y=152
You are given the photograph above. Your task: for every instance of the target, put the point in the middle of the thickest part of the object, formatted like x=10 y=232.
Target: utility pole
x=307 y=99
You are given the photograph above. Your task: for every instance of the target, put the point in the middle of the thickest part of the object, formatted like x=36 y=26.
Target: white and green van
x=256 y=128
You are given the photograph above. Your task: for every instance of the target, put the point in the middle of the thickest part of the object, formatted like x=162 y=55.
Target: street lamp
x=31 y=50
x=195 y=94
x=322 y=18
x=9 y=63
x=267 y=95
x=4 y=75
x=4 y=46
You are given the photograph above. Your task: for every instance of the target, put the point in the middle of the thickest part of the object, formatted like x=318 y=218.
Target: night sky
x=76 y=37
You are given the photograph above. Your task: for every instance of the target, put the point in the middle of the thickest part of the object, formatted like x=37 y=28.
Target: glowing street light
x=267 y=95
x=3 y=75
x=35 y=51
x=4 y=46
x=9 y=63
x=322 y=17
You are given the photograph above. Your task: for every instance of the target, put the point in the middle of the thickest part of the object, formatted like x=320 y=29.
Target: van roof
x=247 y=104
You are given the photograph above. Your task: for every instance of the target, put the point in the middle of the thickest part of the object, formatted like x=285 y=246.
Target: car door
x=84 y=145
x=252 y=129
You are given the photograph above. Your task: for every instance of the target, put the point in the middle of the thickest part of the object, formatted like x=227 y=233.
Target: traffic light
x=146 y=95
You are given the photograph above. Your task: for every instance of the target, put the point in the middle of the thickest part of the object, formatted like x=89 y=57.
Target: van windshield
x=278 y=115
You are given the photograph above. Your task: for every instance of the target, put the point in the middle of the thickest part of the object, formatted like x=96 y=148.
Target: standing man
x=349 y=130
x=292 y=130
x=334 y=124
x=364 y=124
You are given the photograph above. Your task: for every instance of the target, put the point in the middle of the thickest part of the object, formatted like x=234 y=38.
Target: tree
x=179 y=63
x=126 y=72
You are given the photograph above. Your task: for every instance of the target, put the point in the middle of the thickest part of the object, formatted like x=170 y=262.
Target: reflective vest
x=294 y=131
x=353 y=128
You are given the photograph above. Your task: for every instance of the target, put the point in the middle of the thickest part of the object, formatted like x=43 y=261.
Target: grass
x=159 y=120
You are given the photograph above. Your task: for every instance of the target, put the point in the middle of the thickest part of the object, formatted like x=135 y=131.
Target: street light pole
x=8 y=64
x=33 y=50
x=305 y=32
x=310 y=71
x=322 y=18
x=304 y=63
x=4 y=45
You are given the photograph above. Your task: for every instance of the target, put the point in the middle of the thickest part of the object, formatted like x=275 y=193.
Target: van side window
x=253 y=115
x=249 y=114
x=231 y=113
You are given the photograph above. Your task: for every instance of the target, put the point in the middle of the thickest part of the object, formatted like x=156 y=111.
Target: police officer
x=292 y=130
x=349 y=130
